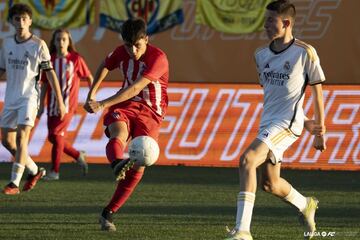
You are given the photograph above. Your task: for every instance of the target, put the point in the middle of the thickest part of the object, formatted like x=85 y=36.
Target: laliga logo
x=146 y=9
x=319 y=234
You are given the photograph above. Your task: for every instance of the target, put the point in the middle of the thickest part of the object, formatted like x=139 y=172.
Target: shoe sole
x=122 y=173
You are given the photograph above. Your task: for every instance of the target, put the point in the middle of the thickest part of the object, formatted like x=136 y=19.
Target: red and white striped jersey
x=69 y=70
x=153 y=65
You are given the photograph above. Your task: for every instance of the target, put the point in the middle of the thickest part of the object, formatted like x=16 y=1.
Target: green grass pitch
x=174 y=203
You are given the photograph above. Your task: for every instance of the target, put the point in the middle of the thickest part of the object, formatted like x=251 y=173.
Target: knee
x=54 y=138
x=268 y=186
x=247 y=161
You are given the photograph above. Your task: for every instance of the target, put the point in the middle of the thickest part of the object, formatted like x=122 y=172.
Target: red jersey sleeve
x=82 y=69
x=156 y=67
x=113 y=60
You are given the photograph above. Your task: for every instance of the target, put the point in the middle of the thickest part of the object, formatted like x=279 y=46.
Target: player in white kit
x=285 y=68
x=22 y=57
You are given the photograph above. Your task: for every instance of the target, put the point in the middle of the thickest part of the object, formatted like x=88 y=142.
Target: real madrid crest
x=287 y=66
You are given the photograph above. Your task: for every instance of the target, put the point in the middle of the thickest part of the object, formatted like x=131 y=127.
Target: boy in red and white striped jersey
x=135 y=110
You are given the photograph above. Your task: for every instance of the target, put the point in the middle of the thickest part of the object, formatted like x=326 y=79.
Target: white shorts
x=278 y=139
x=24 y=115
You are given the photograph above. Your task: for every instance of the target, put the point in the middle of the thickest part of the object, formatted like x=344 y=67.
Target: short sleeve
x=156 y=67
x=313 y=68
x=82 y=69
x=112 y=61
x=44 y=57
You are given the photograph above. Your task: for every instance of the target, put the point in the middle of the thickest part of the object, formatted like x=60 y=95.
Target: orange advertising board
x=212 y=124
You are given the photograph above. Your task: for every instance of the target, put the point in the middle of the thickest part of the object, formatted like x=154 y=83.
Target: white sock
x=245 y=206
x=16 y=173
x=31 y=166
x=296 y=199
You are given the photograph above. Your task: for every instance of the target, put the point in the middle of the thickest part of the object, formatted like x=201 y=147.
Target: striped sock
x=245 y=206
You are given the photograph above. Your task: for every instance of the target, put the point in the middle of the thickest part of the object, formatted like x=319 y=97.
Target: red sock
x=56 y=151
x=71 y=151
x=124 y=189
x=114 y=149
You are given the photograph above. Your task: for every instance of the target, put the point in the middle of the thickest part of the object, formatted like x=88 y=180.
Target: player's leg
x=148 y=124
x=272 y=182
x=78 y=156
x=21 y=157
x=57 y=150
x=118 y=134
x=8 y=140
x=25 y=122
x=252 y=158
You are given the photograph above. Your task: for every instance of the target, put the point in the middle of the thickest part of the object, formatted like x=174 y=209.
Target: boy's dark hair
x=133 y=29
x=283 y=8
x=18 y=9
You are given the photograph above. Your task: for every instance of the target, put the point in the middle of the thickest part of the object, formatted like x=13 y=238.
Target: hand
x=62 y=110
x=92 y=106
x=87 y=107
x=319 y=143
x=313 y=128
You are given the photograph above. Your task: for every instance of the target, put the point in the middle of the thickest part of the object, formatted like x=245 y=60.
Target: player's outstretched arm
x=126 y=93
x=319 y=140
x=121 y=96
x=54 y=83
x=100 y=75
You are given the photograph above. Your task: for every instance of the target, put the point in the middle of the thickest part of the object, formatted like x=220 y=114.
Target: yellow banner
x=230 y=16
x=159 y=14
x=54 y=14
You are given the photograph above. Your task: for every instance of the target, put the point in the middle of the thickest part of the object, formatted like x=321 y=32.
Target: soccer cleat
x=106 y=221
x=33 y=179
x=307 y=217
x=11 y=189
x=238 y=235
x=121 y=167
x=81 y=160
x=51 y=176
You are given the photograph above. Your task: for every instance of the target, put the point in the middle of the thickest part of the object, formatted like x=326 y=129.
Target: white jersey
x=22 y=63
x=284 y=76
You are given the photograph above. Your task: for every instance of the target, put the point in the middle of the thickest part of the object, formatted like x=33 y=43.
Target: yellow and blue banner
x=53 y=14
x=160 y=15
x=229 y=16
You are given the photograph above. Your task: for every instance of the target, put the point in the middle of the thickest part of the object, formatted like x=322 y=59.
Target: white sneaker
x=51 y=176
x=238 y=235
x=82 y=162
x=106 y=225
x=307 y=217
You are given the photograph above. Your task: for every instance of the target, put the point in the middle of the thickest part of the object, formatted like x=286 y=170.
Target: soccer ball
x=144 y=150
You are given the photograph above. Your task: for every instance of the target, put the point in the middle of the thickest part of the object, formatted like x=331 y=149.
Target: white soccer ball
x=144 y=150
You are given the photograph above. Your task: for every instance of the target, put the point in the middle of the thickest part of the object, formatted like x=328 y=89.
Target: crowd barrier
x=212 y=124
